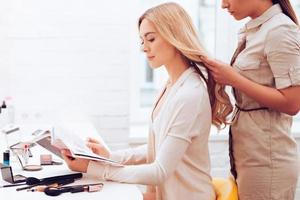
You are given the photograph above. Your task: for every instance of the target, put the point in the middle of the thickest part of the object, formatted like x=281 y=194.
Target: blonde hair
x=175 y=26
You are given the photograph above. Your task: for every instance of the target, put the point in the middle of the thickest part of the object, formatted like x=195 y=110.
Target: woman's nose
x=225 y=4
x=144 y=48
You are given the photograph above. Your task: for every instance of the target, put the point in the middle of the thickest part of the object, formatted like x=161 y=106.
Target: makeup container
x=6 y=160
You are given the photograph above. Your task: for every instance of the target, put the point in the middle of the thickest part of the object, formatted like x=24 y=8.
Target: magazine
x=67 y=137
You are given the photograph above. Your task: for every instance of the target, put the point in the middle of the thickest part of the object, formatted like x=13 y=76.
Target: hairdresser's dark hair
x=287 y=9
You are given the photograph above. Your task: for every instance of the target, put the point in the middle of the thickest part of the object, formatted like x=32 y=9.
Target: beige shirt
x=181 y=165
x=272 y=50
x=265 y=153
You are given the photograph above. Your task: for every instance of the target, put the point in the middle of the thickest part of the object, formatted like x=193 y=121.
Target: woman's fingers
x=92 y=140
x=66 y=158
x=221 y=72
x=98 y=149
x=209 y=61
x=149 y=196
x=63 y=154
x=212 y=63
x=66 y=152
x=78 y=164
x=215 y=66
x=92 y=145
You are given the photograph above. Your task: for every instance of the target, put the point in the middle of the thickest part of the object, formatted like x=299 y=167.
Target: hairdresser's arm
x=285 y=100
x=282 y=51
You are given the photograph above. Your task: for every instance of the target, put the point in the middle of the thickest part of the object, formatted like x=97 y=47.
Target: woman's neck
x=260 y=9
x=176 y=68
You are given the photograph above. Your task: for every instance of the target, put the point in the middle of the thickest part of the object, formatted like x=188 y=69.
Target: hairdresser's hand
x=78 y=164
x=149 y=196
x=223 y=73
x=98 y=148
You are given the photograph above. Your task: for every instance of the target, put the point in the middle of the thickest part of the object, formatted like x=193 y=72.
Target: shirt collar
x=271 y=12
x=179 y=82
x=183 y=77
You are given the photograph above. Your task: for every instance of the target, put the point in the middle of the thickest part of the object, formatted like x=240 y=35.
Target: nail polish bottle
x=6 y=160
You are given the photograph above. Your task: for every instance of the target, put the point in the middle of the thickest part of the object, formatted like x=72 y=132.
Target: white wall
x=68 y=55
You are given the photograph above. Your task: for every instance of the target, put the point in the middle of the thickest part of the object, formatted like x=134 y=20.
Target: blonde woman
x=175 y=163
x=265 y=75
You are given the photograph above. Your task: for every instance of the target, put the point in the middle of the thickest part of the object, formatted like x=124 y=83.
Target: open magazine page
x=66 y=137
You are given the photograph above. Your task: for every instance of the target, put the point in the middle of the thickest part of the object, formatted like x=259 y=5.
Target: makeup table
x=110 y=190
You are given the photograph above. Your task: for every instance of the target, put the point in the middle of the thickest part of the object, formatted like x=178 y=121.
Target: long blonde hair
x=175 y=25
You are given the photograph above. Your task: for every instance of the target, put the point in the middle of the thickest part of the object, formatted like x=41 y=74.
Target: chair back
x=226 y=189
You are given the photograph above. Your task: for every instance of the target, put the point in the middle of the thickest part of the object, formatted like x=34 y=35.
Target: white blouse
x=181 y=168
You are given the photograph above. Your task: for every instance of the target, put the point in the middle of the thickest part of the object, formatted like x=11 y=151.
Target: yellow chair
x=226 y=189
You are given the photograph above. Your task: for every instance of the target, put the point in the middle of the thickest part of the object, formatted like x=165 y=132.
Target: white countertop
x=110 y=190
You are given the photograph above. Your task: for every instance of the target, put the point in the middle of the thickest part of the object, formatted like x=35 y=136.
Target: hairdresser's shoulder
x=280 y=22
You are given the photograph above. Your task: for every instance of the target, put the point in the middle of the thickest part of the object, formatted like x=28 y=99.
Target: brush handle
x=12 y=185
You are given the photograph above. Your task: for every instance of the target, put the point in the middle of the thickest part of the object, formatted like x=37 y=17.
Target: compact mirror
x=28 y=167
x=32 y=167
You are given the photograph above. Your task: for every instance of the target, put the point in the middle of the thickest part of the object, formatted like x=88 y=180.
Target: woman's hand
x=149 y=196
x=222 y=73
x=98 y=148
x=78 y=164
